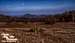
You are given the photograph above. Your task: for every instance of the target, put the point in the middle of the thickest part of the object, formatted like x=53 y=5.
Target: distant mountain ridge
x=66 y=16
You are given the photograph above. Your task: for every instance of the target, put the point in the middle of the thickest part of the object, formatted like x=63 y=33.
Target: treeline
x=67 y=16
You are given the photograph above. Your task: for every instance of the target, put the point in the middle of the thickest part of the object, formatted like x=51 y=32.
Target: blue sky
x=20 y=7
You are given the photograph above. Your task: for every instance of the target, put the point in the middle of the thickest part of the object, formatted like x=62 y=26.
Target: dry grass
x=57 y=33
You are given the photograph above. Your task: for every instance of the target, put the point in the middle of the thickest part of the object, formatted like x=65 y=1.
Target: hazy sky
x=20 y=7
